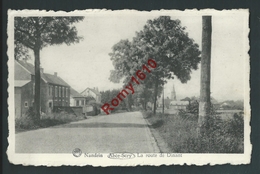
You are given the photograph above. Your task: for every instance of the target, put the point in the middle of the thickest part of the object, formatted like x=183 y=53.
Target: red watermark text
x=107 y=107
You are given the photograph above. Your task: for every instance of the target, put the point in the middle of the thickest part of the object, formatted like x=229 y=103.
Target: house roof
x=20 y=83
x=74 y=93
x=28 y=66
x=54 y=79
x=93 y=90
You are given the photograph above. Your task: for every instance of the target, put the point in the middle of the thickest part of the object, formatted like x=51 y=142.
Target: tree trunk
x=163 y=100
x=204 y=105
x=37 y=93
x=155 y=95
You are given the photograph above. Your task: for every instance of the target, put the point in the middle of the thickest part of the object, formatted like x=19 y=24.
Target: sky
x=87 y=64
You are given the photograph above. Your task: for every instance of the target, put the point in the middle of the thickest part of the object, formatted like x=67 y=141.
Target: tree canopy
x=39 y=32
x=163 y=40
x=108 y=95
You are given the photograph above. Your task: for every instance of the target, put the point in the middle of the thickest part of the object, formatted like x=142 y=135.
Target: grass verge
x=180 y=133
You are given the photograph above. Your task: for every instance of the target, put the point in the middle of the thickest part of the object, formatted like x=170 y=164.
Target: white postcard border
x=69 y=159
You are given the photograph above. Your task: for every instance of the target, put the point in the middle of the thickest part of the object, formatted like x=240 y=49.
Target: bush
x=187 y=116
x=28 y=122
x=180 y=132
x=193 y=108
x=25 y=123
x=223 y=136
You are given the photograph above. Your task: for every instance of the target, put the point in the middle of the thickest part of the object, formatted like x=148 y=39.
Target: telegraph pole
x=163 y=100
x=204 y=105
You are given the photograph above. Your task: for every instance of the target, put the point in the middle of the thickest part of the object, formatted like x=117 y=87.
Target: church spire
x=173 y=93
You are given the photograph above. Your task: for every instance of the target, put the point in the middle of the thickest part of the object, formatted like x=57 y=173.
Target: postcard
x=124 y=88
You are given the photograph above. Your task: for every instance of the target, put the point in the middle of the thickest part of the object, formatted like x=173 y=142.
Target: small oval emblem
x=77 y=152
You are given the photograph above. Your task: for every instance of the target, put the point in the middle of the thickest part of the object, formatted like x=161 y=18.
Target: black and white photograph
x=127 y=87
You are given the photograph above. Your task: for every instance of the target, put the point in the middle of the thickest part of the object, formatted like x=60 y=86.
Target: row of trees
x=141 y=97
x=163 y=40
x=176 y=55
x=108 y=95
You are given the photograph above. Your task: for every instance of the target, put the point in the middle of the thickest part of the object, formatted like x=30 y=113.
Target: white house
x=179 y=104
x=76 y=99
x=89 y=92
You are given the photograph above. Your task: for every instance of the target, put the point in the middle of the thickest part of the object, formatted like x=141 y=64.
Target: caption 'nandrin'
x=121 y=95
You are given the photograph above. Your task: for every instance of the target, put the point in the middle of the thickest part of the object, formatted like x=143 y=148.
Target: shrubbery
x=28 y=122
x=180 y=132
x=223 y=136
x=193 y=108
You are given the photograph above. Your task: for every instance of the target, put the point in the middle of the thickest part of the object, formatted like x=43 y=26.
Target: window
x=63 y=92
x=82 y=102
x=50 y=90
x=77 y=102
x=56 y=91
x=50 y=104
x=26 y=104
x=59 y=91
x=67 y=92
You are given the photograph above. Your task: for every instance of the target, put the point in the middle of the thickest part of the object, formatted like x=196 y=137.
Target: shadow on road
x=102 y=125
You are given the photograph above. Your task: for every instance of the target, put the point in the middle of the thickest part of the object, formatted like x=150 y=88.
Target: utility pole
x=204 y=105
x=163 y=100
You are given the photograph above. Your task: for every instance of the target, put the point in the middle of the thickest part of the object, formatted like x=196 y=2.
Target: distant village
x=57 y=95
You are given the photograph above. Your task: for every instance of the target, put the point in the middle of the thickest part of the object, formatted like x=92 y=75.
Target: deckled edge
x=10 y=51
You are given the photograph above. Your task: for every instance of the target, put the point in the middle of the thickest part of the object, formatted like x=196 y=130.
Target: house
x=54 y=90
x=179 y=104
x=23 y=96
x=86 y=102
x=76 y=99
x=92 y=93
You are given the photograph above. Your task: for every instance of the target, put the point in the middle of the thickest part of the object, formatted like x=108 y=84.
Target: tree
x=163 y=40
x=36 y=33
x=204 y=104
x=21 y=52
x=108 y=95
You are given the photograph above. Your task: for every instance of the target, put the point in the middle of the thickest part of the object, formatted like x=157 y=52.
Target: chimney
x=97 y=89
x=56 y=74
x=41 y=69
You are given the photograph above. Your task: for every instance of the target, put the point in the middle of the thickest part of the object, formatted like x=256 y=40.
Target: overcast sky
x=88 y=64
